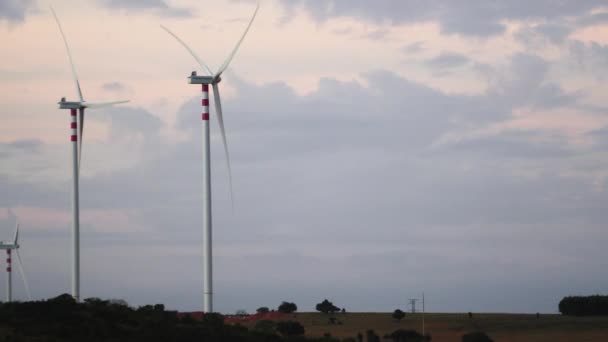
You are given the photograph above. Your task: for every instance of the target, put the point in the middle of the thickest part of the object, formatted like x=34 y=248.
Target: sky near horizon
x=379 y=149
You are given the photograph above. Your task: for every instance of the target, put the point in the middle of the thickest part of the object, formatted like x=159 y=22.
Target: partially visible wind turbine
x=212 y=79
x=9 y=247
x=77 y=127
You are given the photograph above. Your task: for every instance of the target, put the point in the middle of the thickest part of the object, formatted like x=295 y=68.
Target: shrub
x=263 y=310
x=403 y=335
x=265 y=326
x=290 y=328
x=398 y=314
x=476 y=336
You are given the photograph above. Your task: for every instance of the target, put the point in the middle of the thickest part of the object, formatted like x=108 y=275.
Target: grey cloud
x=473 y=18
x=113 y=86
x=343 y=31
x=543 y=34
x=18 y=148
x=513 y=144
x=590 y=56
x=600 y=138
x=447 y=60
x=378 y=34
x=158 y=7
x=414 y=47
x=556 y=31
x=15 y=10
x=135 y=4
x=29 y=145
x=524 y=83
x=593 y=19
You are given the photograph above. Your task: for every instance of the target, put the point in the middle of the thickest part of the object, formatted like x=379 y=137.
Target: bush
x=290 y=328
x=263 y=310
x=372 y=336
x=265 y=326
x=398 y=314
x=287 y=307
x=403 y=335
x=476 y=336
x=241 y=312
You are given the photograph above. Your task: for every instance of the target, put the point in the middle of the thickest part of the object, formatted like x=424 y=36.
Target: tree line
x=63 y=319
x=584 y=305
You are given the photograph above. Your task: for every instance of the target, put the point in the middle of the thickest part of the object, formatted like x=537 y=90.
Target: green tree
x=327 y=307
x=398 y=314
x=263 y=310
x=287 y=307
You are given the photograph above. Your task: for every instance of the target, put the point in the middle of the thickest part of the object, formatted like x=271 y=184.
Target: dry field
x=450 y=327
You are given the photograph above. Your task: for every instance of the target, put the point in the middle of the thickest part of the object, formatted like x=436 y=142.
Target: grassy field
x=450 y=327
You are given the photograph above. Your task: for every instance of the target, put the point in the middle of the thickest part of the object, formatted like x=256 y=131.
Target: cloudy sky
x=379 y=149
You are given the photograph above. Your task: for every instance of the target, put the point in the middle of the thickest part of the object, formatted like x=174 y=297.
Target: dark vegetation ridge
x=63 y=319
x=584 y=306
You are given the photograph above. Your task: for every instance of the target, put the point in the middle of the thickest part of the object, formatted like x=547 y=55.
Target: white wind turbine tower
x=77 y=127
x=10 y=247
x=212 y=79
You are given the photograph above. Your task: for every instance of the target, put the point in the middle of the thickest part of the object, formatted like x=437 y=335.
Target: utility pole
x=423 y=310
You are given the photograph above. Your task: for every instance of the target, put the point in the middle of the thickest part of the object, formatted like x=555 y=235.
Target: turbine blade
x=80 y=131
x=220 y=120
x=67 y=48
x=96 y=105
x=198 y=59
x=238 y=44
x=16 y=239
x=27 y=286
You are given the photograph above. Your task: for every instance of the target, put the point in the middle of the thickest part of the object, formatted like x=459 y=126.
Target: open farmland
x=450 y=327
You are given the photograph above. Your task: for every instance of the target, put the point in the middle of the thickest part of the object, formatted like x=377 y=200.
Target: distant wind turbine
x=77 y=127
x=212 y=79
x=9 y=247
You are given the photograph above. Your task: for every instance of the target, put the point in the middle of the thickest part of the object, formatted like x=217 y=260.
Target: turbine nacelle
x=196 y=79
x=63 y=104
x=8 y=246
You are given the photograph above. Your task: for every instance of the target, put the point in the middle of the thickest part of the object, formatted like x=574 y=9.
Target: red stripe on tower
x=8 y=269
x=73 y=138
x=73 y=111
x=205 y=102
x=73 y=125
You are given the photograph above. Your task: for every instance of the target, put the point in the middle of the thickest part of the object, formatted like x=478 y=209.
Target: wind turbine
x=9 y=247
x=77 y=127
x=212 y=79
